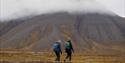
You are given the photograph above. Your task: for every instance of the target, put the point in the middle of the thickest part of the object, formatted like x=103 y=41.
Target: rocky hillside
x=89 y=32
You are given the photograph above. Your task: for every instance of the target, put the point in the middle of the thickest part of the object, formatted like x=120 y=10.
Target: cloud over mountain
x=12 y=9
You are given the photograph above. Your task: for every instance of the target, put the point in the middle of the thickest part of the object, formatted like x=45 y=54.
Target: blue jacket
x=57 y=47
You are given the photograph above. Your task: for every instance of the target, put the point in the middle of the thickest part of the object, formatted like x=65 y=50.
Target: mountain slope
x=91 y=31
x=6 y=26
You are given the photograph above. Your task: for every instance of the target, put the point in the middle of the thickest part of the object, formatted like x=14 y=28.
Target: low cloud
x=13 y=9
x=116 y=6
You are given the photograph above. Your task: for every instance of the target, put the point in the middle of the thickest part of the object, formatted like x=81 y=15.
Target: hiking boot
x=64 y=60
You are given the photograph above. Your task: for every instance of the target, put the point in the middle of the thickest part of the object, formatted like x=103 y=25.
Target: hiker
x=57 y=50
x=68 y=49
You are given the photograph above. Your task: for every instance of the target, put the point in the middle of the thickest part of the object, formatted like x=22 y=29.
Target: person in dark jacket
x=68 y=49
x=57 y=50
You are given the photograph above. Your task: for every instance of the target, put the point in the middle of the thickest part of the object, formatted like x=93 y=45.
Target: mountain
x=6 y=26
x=95 y=32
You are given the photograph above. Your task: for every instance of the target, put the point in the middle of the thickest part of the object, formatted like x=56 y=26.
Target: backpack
x=55 y=46
x=68 y=46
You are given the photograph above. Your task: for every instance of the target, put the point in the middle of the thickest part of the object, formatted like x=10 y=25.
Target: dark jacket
x=69 y=47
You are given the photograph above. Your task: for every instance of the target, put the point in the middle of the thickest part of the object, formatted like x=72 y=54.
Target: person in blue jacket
x=57 y=50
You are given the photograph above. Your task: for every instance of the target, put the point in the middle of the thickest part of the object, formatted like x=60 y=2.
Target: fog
x=116 y=6
x=13 y=9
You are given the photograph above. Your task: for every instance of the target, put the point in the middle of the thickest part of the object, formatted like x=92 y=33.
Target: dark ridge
x=8 y=25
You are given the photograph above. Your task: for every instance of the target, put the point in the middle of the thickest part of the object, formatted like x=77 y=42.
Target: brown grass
x=46 y=57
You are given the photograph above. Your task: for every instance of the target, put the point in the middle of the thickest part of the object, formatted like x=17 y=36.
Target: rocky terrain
x=95 y=32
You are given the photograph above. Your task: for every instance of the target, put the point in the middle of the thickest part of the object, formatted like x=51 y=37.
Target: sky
x=12 y=9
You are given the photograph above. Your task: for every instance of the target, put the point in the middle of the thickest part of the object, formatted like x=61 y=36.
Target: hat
x=69 y=41
x=59 y=41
